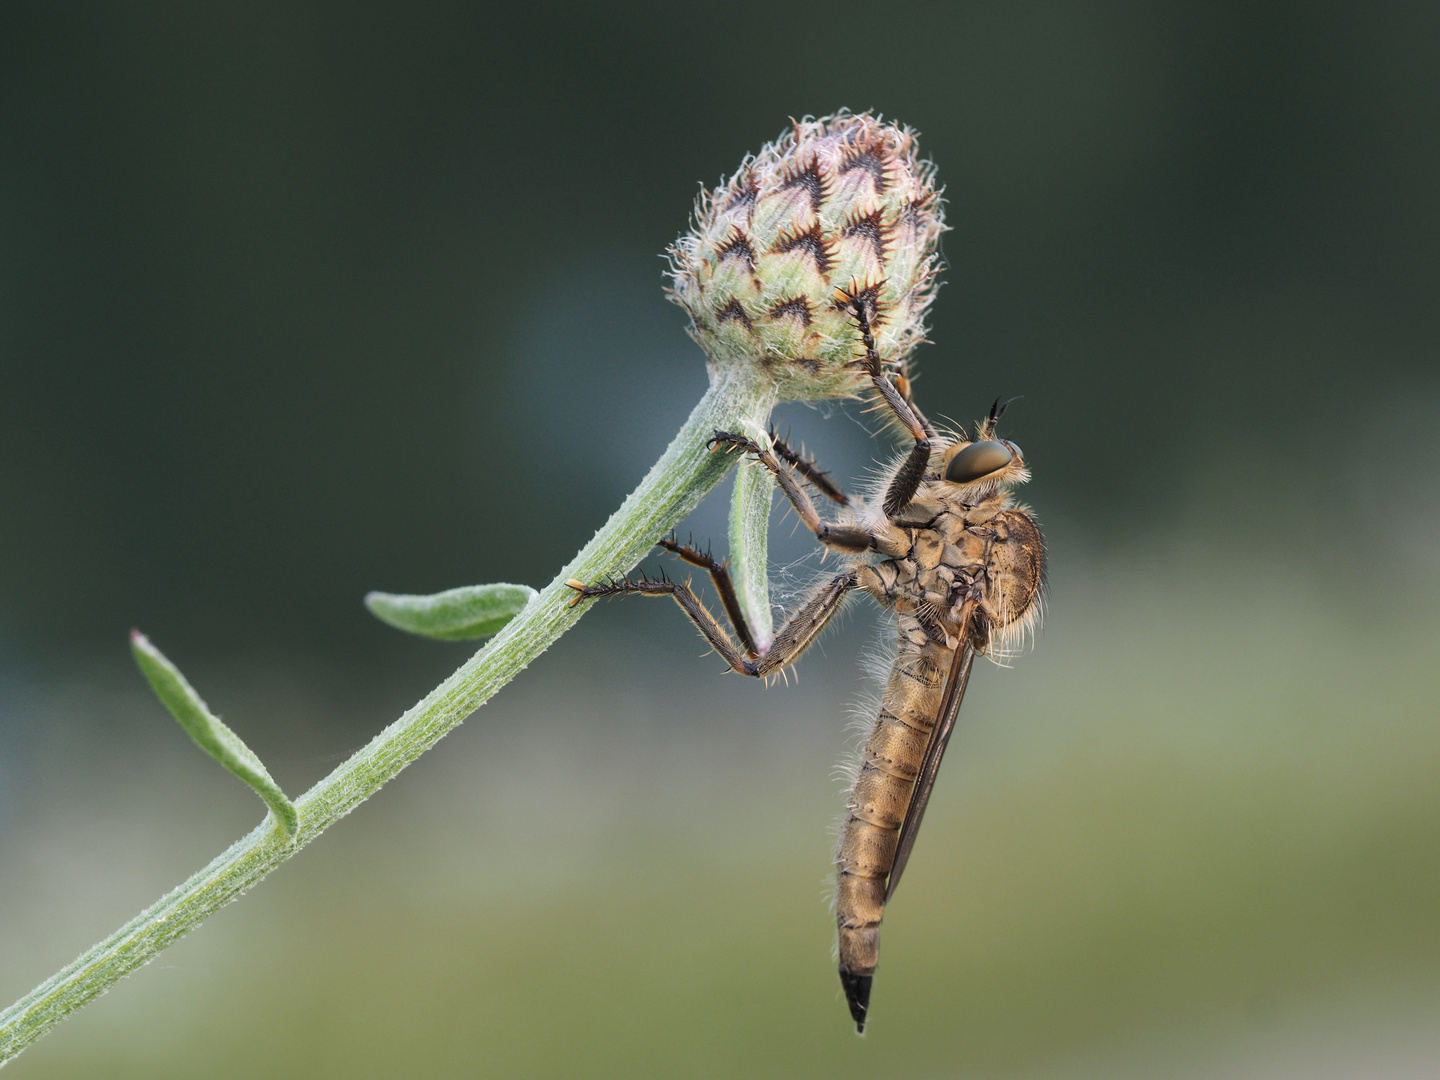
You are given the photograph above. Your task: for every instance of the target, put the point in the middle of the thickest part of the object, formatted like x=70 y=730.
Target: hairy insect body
x=947 y=549
x=988 y=558
x=877 y=801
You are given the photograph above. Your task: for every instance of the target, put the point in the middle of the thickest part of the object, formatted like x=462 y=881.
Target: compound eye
x=977 y=460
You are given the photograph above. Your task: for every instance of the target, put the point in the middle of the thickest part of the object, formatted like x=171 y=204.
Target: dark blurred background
x=300 y=300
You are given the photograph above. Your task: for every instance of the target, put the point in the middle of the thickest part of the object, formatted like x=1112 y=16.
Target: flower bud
x=840 y=203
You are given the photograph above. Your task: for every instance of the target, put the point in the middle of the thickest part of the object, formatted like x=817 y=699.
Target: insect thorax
x=945 y=554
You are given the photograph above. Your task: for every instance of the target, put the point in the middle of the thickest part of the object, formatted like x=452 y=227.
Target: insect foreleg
x=907 y=480
x=906 y=386
x=851 y=538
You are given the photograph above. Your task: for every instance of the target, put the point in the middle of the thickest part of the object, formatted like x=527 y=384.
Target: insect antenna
x=997 y=410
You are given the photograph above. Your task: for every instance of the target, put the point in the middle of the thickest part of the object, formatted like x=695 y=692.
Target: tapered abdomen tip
x=857 y=996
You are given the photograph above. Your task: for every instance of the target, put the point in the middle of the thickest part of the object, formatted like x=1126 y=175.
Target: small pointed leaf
x=471 y=611
x=209 y=733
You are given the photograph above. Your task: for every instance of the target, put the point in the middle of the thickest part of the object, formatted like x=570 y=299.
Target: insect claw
x=733 y=442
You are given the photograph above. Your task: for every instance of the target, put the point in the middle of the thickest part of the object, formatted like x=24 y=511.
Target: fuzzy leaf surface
x=210 y=733
x=471 y=611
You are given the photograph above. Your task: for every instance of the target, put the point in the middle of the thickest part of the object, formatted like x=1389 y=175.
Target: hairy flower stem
x=735 y=401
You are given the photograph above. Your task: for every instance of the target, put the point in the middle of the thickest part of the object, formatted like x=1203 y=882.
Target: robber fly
x=962 y=566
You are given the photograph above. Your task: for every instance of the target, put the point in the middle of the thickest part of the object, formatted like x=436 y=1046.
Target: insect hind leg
x=689 y=603
x=792 y=639
x=805 y=625
x=719 y=576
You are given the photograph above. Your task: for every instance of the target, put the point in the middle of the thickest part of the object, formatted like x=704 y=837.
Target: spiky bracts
x=840 y=203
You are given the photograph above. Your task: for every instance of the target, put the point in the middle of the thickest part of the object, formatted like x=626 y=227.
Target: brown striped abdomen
x=888 y=767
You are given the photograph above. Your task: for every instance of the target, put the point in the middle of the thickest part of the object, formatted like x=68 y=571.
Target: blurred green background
x=299 y=300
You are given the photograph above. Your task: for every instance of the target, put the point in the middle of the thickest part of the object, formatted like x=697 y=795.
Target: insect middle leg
x=806 y=467
x=791 y=639
x=851 y=538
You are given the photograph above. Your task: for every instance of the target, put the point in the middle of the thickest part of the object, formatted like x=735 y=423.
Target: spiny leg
x=805 y=625
x=791 y=640
x=906 y=386
x=907 y=480
x=850 y=538
x=806 y=467
x=720 y=576
x=867 y=301
x=685 y=597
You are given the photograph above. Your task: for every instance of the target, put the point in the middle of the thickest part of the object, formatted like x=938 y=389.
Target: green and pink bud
x=837 y=207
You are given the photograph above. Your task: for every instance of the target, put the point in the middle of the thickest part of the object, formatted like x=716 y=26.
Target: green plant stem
x=672 y=488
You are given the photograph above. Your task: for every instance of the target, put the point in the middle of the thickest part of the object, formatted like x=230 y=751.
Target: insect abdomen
x=888 y=767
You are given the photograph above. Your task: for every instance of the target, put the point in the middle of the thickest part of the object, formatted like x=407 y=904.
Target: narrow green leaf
x=209 y=733
x=471 y=611
x=749 y=540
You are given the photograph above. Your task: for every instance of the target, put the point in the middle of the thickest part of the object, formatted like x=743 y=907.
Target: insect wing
x=950 y=701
